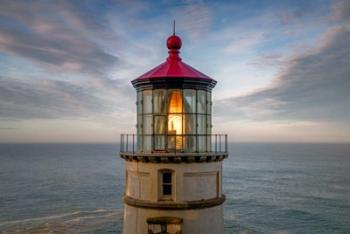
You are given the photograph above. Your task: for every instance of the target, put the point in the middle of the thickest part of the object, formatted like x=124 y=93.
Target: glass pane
x=167 y=189
x=175 y=124
x=139 y=102
x=175 y=101
x=147 y=125
x=190 y=144
x=202 y=143
x=139 y=132
x=159 y=101
x=190 y=101
x=166 y=177
x=139 y=124
x=159 y=142
x=190 y=124
x=201 y=124
x=201 y=102
x=147 y=143
x=171 y=142
x=139 y=142
x=209 y=133
x=147 y=101
x=208 y=102
x=208 y=124
x=159 y=124
x=208 y=143
x=175 y=143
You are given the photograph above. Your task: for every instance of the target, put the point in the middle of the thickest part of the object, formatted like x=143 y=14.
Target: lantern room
x=174 y=106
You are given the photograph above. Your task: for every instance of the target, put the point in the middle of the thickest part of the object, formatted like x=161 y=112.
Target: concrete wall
x=203 y=221
x=192 y=181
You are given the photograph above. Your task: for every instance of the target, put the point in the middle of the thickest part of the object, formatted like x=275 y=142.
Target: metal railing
x=218 y=144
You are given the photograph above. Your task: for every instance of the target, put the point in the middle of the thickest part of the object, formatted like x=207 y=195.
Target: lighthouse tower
x=173 y=165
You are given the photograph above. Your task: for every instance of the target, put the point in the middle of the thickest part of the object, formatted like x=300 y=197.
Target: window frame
x=161 y=195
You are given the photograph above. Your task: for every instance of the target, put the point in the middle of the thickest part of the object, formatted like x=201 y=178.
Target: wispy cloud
x=59 y=35
x=48 y=99
x=313 y=86
x=194 y=18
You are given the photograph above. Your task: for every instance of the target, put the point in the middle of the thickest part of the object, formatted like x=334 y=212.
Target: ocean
x=269 y=188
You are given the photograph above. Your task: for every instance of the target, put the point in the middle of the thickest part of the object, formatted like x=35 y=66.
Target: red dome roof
x=173 y=67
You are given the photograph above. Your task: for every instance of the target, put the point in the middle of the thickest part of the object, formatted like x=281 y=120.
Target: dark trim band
x=174 y=83
x=189 y=205
x=174 y=158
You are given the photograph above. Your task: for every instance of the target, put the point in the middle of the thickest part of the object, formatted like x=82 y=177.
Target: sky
x=283 y=67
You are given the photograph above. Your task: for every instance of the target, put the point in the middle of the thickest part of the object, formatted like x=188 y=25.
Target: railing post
x=133 y=143
x=127 y=142
x=225 y=143
x=121 y=142
x=216 y=143
x=220 y=150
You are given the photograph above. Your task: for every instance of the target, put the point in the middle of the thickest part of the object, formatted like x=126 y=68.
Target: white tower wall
x=197 y=196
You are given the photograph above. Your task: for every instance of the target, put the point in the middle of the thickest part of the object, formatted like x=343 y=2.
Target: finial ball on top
x=174 y=42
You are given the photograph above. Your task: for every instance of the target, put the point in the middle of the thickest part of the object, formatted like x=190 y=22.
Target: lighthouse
x=173 y=164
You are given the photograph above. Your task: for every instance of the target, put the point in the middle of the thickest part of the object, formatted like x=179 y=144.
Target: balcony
x=215 y=150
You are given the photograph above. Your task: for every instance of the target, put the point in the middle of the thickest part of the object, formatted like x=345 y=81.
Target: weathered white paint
x=191 y=182
x=203 y=221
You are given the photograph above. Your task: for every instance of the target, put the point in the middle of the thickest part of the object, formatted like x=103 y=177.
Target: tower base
x=146 y=221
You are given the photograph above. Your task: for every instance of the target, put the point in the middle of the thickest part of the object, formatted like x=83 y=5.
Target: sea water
x=269 y=188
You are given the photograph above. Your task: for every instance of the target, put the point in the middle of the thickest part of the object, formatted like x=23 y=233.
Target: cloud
x=341 y=10
x=71 y=42
x=194 y=18
x=244 y=43
x=314 y=86
x=61 y=36
x=48 y=99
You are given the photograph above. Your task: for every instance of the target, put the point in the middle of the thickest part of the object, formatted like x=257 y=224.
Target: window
x=166 y=184
x=166 y=177
x=175 y=123
x=159 y=101
x=139 y=120
x=190 y=101
x=201 y=102
x=139 y=132
x=159 y=132
x=139 y=103
x=209 y=103
x=147 y=101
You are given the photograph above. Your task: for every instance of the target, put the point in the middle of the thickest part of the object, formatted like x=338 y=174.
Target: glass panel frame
x=209 y=103
x=189 y=100
x=159 y=101
x=190 y=143
x=201 y=102
x=139 y=103
x=202 y=143
x=147 y=143
x=175 y=102
x=191 y=124
x=159 y=143
x=147 y=125
x=201 y=124
x=147 y=102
